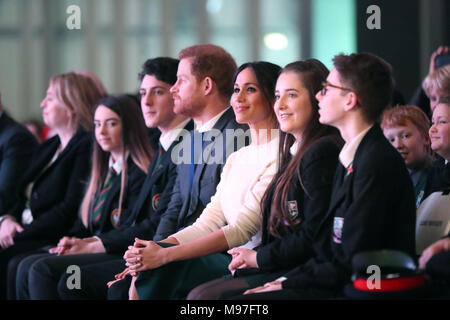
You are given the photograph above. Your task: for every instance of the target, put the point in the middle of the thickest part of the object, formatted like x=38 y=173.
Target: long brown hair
x=135 y=141
x=312 y=73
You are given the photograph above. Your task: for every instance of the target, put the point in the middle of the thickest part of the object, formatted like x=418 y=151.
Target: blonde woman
x=52 y=187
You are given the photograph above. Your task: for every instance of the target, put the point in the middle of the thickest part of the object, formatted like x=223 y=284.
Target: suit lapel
x=43 y=160
x=66 y=151
x=220 y=126
x=340 y=187
x=155 y=173
x=210 y=145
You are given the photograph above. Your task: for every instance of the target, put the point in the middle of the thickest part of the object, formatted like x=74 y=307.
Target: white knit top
x=236 y=208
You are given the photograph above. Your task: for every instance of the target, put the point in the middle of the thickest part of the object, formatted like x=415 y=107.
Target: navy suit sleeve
x=317 y=169
x=15 y=158
x=168 y=224
x=58 y=219
x=117 y=241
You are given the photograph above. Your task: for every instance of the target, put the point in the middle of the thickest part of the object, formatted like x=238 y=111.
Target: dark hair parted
x=212 y=61
x=163 y=68
x=311 y=73
x=135 y=141
x=266 y=74
x=370 y=77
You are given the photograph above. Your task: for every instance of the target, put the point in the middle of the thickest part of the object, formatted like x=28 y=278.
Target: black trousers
x=45 y=276
x=95 y=276
x=7 y=273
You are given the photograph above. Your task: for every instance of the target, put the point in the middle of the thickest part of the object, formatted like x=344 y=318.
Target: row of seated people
x=285 y=213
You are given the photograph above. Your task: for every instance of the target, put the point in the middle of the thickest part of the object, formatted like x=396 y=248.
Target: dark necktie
x=109 y=181
x=196 y=154
x=158 y=159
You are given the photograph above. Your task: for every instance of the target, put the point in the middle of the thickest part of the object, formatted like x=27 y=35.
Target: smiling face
x=292 y=104
x=248 y=101
x=54 y=113
x=440 y=130
x=156 y=102
x=410 y=143
x=108 y=130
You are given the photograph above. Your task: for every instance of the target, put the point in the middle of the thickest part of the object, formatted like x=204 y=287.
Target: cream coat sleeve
x=245 y=221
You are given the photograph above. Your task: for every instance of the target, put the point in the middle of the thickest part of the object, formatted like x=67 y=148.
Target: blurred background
x=117 y=36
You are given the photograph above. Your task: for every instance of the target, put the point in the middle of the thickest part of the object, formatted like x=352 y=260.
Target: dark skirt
x=173 y=281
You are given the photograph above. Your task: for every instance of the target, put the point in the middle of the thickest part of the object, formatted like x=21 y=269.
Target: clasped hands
x=72 y=245
x=246 y=258
x=143 y=255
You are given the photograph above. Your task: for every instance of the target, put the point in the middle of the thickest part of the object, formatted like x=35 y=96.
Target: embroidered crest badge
x=293 y=209
x=337 y=229
x=115 y=218
x=155 y=200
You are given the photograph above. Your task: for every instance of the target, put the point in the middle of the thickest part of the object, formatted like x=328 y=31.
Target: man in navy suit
x=202 y=91
x=103 y=254
x=17 y=145
x=372 y=202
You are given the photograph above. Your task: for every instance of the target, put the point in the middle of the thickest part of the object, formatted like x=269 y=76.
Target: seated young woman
x=51 y=189
x=171 y=268
x=120 y=159
x=298 y=196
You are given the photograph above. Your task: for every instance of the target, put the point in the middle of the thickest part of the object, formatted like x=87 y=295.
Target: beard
x=189 y=107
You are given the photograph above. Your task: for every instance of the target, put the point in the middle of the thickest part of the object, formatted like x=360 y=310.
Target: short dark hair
x=163 y=68
x=370 y=77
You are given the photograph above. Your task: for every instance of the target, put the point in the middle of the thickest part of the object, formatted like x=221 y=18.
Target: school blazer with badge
x=57 y=191
x=109 y=218
x=151 y=203
x=187 y=203
x=372 y=207
x=317 y=169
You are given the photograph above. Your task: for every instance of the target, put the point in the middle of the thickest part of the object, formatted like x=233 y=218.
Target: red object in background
x=45 y=131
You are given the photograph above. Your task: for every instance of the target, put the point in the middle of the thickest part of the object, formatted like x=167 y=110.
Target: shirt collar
x=170 y=136
x=208 y=125
x=117 y=166
x=348 y=152
x=294 y=148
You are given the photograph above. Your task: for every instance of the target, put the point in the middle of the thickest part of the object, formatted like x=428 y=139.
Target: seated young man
x=372 y=203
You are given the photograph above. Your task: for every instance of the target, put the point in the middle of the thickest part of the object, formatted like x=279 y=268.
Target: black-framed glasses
x=325 y=86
